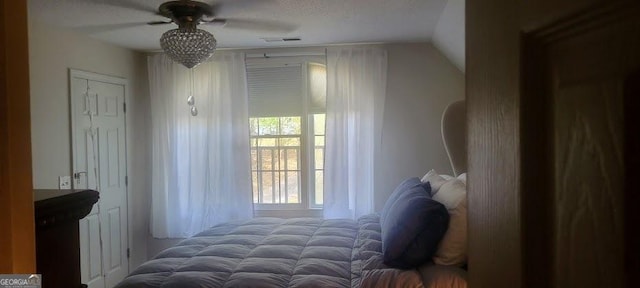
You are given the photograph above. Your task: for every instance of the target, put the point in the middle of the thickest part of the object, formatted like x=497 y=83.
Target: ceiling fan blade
x=257 y=25
x=128 y=4
x=131 y=4
x=152 y=23
x=95 y=29
x=215 y=21
x=223 y=7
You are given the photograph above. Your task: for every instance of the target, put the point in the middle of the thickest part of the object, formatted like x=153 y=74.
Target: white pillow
x=434 y=179
x=463 y=177
x=452 y=249
x=451 y=193
x=447 y=177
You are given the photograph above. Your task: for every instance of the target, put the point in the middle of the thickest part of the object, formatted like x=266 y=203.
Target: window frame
x=312 y=165
x=306 y=207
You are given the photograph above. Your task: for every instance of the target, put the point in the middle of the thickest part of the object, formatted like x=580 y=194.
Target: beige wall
x=52 y=52
x=421 y=82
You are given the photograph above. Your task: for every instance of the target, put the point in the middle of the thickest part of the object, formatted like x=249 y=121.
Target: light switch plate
x=65 y=182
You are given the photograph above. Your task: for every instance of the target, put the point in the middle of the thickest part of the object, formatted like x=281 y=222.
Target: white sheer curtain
x=356 y=89
x=200 y=165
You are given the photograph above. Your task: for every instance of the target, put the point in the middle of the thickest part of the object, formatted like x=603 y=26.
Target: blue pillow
x=404 y=186
x=414 y=225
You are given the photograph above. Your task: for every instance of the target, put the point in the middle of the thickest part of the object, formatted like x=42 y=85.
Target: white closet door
x=100 y=163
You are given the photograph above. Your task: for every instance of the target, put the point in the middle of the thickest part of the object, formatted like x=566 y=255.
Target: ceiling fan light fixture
x=188 y=46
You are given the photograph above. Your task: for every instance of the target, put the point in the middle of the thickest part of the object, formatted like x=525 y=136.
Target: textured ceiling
x=317 y=22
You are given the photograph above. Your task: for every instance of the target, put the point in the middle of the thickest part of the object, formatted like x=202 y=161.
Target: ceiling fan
x=189 y=45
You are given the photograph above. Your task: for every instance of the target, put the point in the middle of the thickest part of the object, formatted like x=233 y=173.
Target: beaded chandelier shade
x=188 y=45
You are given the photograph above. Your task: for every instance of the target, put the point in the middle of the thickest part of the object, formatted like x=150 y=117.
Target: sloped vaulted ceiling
x=449 y=34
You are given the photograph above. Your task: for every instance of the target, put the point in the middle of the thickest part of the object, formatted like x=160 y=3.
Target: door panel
x=111 y=106
x=580 y=67
x=115 y=260
x=113 y=165
x=90 y=258
x=588 y=198
x=100 y=163
x=632 y=168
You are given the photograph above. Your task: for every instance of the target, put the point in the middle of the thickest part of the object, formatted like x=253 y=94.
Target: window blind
x=275 y=91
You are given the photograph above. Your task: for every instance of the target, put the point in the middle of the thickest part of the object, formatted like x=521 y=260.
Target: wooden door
x=552 y=97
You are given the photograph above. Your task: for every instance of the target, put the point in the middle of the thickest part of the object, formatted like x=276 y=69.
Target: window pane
x=266 y=158
x=254 y=159
x=254 y=182
x=319 y=187
x=294 y=198
x=293 y=185
x=282 y=159
x=318 y=85
x=290 y=125
x=267 y=142
x=292 y=159
x=253 y=126
x=319 y=158
x=276 y=159
x=319 y=141
x=283 y=187
x=276 y=188
x=295 y=142
x=319 y=124
x=267 y=187
x=268 y=125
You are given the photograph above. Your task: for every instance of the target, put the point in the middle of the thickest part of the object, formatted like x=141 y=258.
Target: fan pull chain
x=192 y=100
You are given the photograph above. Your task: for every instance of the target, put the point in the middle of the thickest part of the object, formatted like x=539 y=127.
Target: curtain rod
x=284 y=54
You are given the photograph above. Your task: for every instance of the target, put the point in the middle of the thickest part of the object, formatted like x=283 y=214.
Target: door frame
x=17 y=240
x=76 y=73
x=509 y=220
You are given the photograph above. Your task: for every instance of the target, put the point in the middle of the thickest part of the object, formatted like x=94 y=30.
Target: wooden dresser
x=57 y=236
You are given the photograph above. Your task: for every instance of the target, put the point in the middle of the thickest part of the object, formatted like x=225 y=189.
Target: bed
x=310 y=252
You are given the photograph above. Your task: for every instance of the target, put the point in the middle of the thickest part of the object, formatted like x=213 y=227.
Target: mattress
x=273 y=252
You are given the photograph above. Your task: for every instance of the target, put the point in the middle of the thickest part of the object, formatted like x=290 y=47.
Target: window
x=287 y=133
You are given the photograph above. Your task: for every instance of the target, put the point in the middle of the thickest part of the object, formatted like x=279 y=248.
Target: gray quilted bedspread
x=272 y=252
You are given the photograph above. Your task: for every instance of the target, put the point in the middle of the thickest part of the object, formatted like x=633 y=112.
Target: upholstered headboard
x=454 y=135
